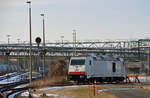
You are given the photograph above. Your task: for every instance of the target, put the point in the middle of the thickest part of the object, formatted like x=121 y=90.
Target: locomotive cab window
x=113 y=67
x=77 y=62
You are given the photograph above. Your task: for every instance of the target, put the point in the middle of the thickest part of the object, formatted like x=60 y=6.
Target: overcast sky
x=92 y=19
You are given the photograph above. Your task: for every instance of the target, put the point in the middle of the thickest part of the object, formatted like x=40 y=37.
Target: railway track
x=11 y=85
x=16 y=91
x=9 y=75
x=7 y=90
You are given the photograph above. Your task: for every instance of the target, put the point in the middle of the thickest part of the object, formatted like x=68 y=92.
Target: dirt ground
x=129 y=94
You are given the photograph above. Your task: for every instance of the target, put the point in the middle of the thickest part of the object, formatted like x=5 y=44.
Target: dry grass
x=81 y=92
x=120 y=86
x=48 y=82
x=145 y=90
x=57 y=68
x=56 y=75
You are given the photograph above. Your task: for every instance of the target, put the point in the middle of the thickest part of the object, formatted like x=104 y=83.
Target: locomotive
x=100 y=68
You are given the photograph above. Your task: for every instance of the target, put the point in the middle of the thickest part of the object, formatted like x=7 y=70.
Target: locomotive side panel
x=106 y=70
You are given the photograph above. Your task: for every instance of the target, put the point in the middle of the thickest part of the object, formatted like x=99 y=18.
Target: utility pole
x=30 y=35
x=74 y=42
x=44 y=51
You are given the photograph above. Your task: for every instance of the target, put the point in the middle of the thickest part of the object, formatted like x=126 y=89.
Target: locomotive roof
x=101 y=58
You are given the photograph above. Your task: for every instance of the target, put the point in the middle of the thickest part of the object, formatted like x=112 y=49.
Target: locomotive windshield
x=77 y=62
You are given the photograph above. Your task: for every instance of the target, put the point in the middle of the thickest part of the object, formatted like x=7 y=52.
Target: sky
x=92 y=19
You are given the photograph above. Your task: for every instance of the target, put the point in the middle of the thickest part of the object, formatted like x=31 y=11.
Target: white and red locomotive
x=99 y=68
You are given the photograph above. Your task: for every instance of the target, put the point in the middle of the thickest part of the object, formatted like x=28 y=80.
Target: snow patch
x=111 y=89
x=141 y=79
x=22 y=86
x=16 y=77
x=57 y=88
x=26 y=94
x=11 y=80
x=13 y=95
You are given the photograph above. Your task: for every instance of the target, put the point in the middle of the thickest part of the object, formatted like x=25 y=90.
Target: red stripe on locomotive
x=76 y=73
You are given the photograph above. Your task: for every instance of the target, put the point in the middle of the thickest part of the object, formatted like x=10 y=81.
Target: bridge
x=124 y=48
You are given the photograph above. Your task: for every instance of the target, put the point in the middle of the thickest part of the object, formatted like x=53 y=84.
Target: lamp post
x=74 y=42
x=43 y=31
x=18 y=69
x=8 y=36
x=43 y=43
x=30 y=35
x=24 y=56
x=8 y=53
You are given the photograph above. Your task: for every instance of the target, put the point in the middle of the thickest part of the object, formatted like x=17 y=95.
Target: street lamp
x=8 y=53
x=43 y=31
x=30 y=35
x=18 y=69
x=43 y=43
x=74 y=42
